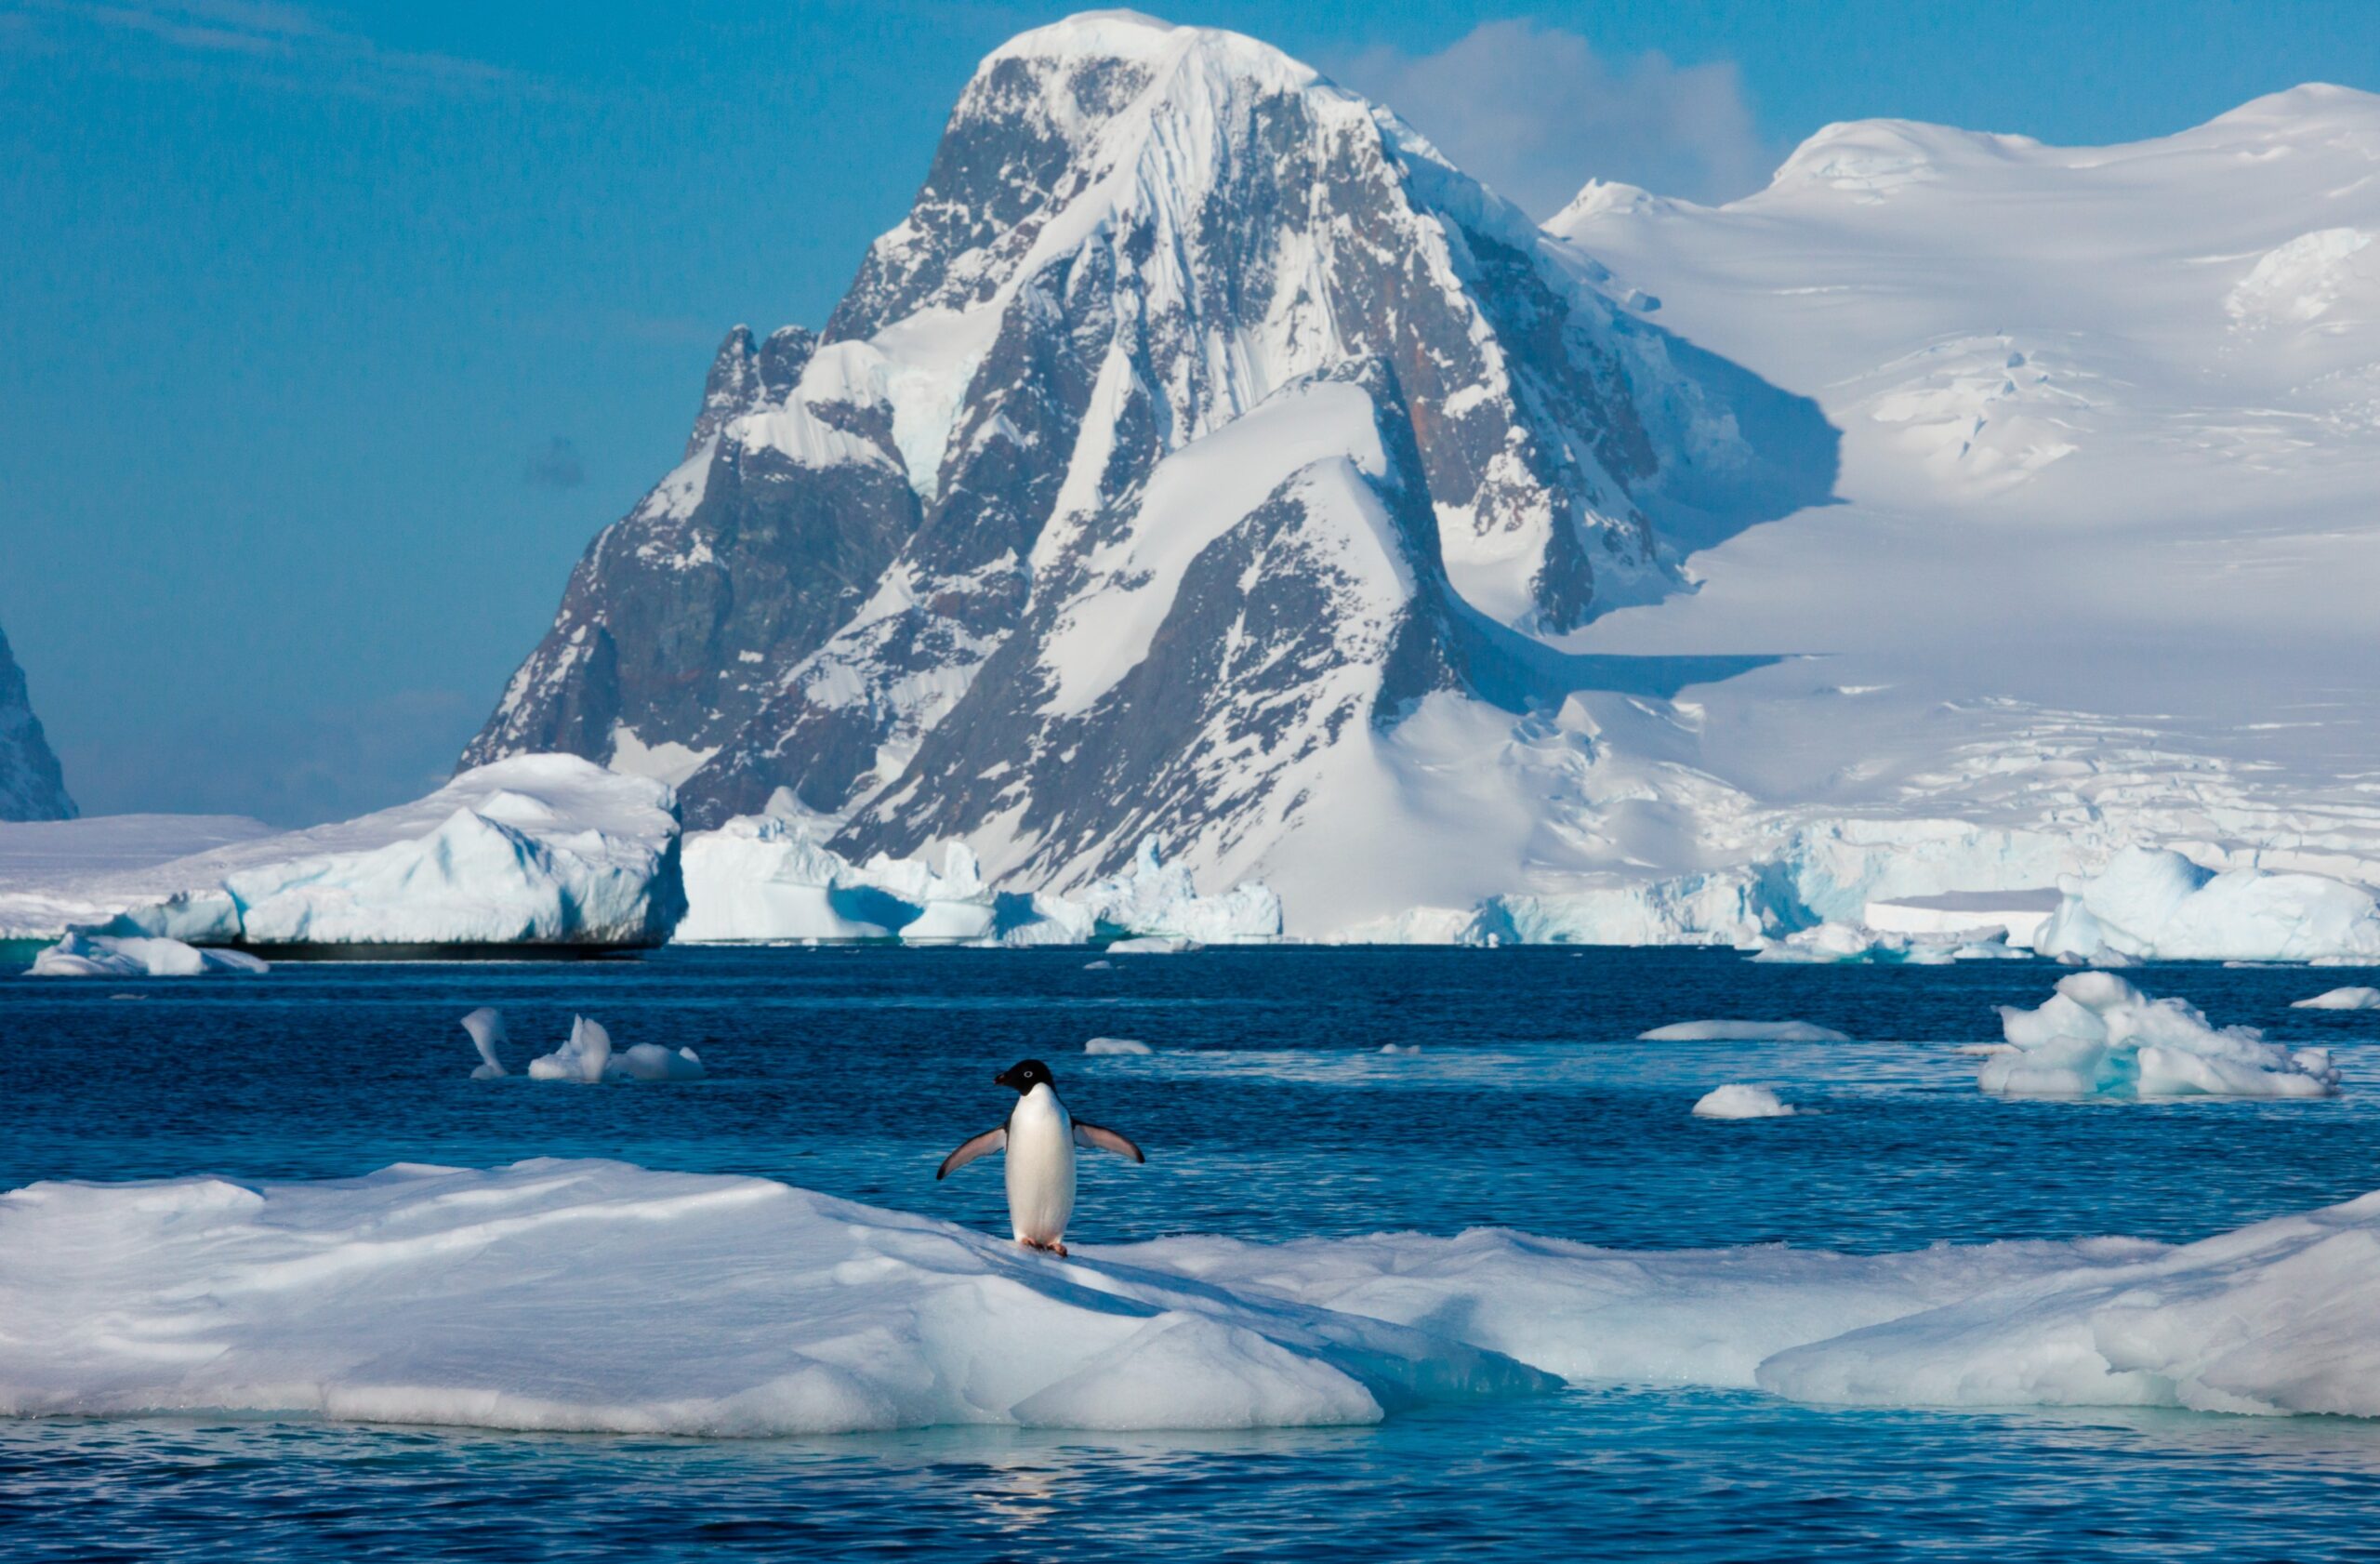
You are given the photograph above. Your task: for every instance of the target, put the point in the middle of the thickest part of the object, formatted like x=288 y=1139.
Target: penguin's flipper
x=990 y=1140
x=1098 y=1137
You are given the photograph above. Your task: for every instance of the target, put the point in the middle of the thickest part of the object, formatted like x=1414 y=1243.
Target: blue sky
x=329 y=334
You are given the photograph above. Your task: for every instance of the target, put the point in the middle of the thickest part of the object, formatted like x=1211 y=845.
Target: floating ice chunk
x=586 y=1057
x=1735 y=1101
x=1116 y=1046
x=486 y=1030
x=1836 y=943
x=581 y=1059
x=1744 y=1031
x=650 y=1061
x=1153 y=944
x=2159 y=906
x=1099 y=966
x=600 y=1296
x=89 y=955
x=2341 y=998
x=1400 y=1048
x=2099 y=1036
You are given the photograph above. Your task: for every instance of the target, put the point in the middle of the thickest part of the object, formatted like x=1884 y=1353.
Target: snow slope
x=538 y=849
x=598 y=1295
x=2106 y=546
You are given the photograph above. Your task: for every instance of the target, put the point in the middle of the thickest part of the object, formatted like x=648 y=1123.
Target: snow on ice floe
x=88 y=955
x=2098 y=1036
x=2341 y=998
x=1116 y=1047
x=1737 y=1101
x=2156 y=905
x=537 y=849
x=1744 y=1031
x=586 y=1056
x=595 y=1295
x=601 y=1296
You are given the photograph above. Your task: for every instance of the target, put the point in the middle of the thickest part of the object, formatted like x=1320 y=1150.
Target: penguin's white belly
x=1040 y=1168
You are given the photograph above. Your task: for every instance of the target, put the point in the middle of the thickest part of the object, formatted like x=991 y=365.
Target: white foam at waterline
x=1736 y=1101
x=1744 y=1031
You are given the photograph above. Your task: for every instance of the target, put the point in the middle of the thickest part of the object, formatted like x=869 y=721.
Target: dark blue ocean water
x=1269 y=1111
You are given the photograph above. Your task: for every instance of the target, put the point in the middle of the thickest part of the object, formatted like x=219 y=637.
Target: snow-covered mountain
x=31 y=787
x=1200 y=457
x=1203 y=459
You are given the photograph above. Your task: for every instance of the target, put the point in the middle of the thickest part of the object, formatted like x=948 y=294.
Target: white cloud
x=1537 y=112
x=265 y=42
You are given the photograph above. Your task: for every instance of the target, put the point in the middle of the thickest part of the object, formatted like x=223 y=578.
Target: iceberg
x=534 y=850
x=763 y=877
x=952 y=908
x=86 y=955
x=1744 y=1031
x=2156 y=905
x=2098 y=1036
x=1155 y=899
x=1735 y=1101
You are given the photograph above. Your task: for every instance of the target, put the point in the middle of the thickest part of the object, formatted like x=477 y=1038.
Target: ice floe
x=1744 y=1031
x=2098 y=1036
x=595 y=1295
x=598 y=1295
x=1838 y=943
x=1736 y=1101
x=88 y=954
x=2341 y=998
x=1116 y=1047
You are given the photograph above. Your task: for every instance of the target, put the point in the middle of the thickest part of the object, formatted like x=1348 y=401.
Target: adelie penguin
x=1039 y=1137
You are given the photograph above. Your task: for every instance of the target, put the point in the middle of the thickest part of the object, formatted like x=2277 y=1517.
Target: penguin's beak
x=1002 y=1079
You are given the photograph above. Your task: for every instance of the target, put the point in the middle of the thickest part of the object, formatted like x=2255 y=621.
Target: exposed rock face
x=31 y=787
x=1197 y=422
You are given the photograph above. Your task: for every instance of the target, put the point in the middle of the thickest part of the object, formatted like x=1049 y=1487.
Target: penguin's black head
x=1023 y=1078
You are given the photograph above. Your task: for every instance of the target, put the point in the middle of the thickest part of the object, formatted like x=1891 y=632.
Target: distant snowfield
x=602 y=1296
x=2110 y=530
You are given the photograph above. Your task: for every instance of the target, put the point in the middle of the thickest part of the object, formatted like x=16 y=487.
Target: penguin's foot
x=1053 y=1247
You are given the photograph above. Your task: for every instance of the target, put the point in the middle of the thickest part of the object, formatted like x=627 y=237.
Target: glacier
x=496 y=1299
